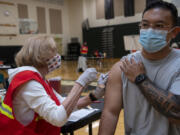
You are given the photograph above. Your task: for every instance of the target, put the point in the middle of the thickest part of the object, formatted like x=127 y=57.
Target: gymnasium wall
x=94 y=11
x=96 y=15
x=74 y=12
x=122 y=26
x=18 y=39
x=75 y=8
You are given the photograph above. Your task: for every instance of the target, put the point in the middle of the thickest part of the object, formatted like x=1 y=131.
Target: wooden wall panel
x=55 y=17
x=100 y=14
x=41 y=18
x=118 y=7
x=140 y=6
x=6 y=3
x=22 y=11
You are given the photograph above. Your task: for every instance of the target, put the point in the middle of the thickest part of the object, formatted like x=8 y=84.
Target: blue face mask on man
x=153 y=40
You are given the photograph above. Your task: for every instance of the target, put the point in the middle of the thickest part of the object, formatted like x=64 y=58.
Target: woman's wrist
x=102 y=86
x=78 y=86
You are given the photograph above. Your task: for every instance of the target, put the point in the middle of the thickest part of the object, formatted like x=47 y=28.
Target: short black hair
x=164 y=5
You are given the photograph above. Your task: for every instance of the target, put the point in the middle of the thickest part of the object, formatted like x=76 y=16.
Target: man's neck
x=157 y=55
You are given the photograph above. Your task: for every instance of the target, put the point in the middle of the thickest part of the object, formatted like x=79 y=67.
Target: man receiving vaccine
x=146 y=84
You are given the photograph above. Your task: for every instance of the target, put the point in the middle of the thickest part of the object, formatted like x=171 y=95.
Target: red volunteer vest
x=84 y=50
x=8 y=123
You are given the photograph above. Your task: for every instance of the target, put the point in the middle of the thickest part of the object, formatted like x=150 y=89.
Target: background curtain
x=150 y=1
x=128 y=7
x=109 y=9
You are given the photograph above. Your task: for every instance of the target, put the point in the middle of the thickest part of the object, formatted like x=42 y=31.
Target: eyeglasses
x=158 y=26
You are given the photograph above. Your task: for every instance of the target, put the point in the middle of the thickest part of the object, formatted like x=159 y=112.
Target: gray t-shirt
x=139 y=116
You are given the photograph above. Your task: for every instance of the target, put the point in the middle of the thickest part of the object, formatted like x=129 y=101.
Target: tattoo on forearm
x=163 y=101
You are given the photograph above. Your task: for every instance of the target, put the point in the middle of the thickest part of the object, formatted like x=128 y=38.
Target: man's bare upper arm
x=113 y=95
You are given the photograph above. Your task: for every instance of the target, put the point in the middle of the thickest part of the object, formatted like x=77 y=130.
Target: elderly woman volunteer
x=31 y=106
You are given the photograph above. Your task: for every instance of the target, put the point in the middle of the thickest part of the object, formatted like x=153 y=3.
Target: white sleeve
x=39 y=101
x=60 y=98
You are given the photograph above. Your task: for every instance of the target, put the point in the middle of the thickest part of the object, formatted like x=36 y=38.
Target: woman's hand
x=100 y=89
x=103 y=79
x=87 y=76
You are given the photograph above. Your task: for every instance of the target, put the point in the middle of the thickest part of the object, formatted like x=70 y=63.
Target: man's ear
x=175 y=31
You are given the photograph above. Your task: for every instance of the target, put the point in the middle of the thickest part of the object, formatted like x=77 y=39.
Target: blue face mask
x=153 y=40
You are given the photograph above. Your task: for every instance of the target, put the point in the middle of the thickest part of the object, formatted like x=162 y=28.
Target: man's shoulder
x=116 y=66
x=132 y=55
x=135 y=54
x=115 y=71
